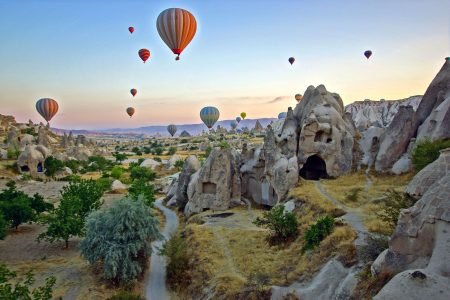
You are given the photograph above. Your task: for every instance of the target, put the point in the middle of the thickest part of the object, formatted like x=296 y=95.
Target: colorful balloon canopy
x=47 y=108
x=209 y=116
x=172 y=129
x=131 y=29
x=233 y=124
x=144 y=54
x=176 y=27
x=238 y=119
x=243 y=115
x=291 y=60
x=133 y=92
x=298 y=97
x=367 y=54
x=130 y=111
x=282 y=115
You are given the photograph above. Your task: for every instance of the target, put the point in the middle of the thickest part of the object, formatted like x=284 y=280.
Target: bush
x=143 y=173
x=104 y=183
x=426 y=151
x=208 y=151
x=11 y=288
x=142 y=189
x=282 y=224
x=125 y=295
x=159 y=151
x=224 y=145
x=172 y=151
x=73 y=164
x=395 y=201
x=52 y=165
x=158 y=159
x=99 y=163
x=13 y=153
x=119 y=239
x=3 y=226
x=120 y=157
x=179 y=164
x=116 y=172
x=317 y=232
x=176 y=251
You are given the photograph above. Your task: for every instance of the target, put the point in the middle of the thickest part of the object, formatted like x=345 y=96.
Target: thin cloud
x=278 y=99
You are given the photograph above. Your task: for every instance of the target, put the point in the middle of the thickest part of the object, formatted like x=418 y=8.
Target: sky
x=81 y=54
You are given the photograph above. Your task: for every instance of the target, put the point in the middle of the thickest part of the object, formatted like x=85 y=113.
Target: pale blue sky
x=80 y=53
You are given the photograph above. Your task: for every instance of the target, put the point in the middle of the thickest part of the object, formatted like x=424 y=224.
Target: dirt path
x=352 y=216
x=231 y=266
x=156 y=286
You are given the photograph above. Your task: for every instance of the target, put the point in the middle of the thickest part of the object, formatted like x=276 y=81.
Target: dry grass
x=6 y=170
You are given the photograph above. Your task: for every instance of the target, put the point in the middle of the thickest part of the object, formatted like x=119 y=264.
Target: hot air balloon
x=47 y=108
x=291 y=60
x=209 y=116
x=177 y=28
x=144 y=54
x=243 y=115
x=131 y=29
x=282 y=115
x=133 y=92
x=233 y=124
x=367 y=54
x=238 y=119
x=130 y=111
x=298 y=97
x=172 y=129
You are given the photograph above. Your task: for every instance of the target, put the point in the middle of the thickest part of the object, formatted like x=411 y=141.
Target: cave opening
x=24 y=169
x=314 y=168
x=40 y=169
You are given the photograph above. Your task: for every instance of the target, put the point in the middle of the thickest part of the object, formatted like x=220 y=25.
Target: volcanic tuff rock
x=191 y=165
x=32 y=160
x=150 y=163
x=421 y=239
x=216 y=184
x=184 y=133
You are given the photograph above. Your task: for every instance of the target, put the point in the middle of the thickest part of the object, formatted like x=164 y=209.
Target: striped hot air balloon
x=172 y=129
x=47 y=108
x=177 y=28
x=282 y=115
x=130 y=111
x=209 y=116
x=144 y=54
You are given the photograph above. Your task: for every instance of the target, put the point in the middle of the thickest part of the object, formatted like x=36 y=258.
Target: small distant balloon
x=47 y=108
x=233 y=124
x=238 y=119
x=131 y=29
x=133 y=92
x=130 y=111
x=243 y=115
x=291 y=60
x=209 y=116
x=144 y=54
x=367 y=54
x=282 y=115
x=172 y=129
x=298 y=97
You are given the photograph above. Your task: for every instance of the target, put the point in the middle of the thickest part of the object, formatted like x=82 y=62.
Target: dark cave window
x=314 y=168
x=318 y=137
x=209 y=188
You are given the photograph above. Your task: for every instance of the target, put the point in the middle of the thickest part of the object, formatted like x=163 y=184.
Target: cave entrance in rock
x=40 y=169
x=314 y=168
x=24 y=169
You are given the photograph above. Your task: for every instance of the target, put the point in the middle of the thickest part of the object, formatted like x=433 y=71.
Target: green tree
x=3 y=226
x=394 y=203
x=99 y=163
x=283 y=224
x=179 y=164
x=119 y=238
x=73 y=164
x=427 y=151
x=13 y=289
x=208 y=151
x=116 y=172
x=141 y=188
x=86 y=194
x=159 y=150
x=120 y=157
x=317 y=232
x=172 y=151
x=52 y=165
x=143 y=173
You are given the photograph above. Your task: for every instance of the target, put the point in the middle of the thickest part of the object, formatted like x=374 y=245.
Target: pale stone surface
x=150 y=163
x=191 y=165
x=171 y=162
x=118 y=186
x=31 y=160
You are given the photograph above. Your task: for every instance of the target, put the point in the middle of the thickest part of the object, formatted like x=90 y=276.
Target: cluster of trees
x=427 y=151
x=16 y=208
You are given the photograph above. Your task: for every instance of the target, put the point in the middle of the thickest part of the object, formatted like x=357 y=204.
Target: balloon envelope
x=131 y=29
x=291 y=60
x=209 y=116
x=176 y=27
x=130 y=111
x=133 y=92
x=243 y=115
x=367 y=54
x=144 y=54
x=47 y=108
x=298 y=97
x=282 y=115
x=238 y=119
x=233 y=124
x=172 y=129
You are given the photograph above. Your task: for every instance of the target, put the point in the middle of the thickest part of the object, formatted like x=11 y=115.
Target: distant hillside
x=193 y=129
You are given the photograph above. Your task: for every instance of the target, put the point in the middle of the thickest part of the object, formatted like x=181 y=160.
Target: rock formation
x=172 y=160
x=32 y=159
x=191 y=165
x=258 y=127
x=419 y=248
x=184 y=134
x=216 y=184
x=150 y=163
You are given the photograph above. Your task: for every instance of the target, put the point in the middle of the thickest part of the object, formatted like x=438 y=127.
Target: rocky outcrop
x=191 y=165
x=216 y=184
x=79 y=153
x=258 y=127
x=118 y=187
x=421 y=241
x=172 y=160
x=32 y=159
x=26 y=140
x=185 y=134
x=150 y=163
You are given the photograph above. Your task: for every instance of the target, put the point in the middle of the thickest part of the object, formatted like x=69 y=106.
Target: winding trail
x=156 y=286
